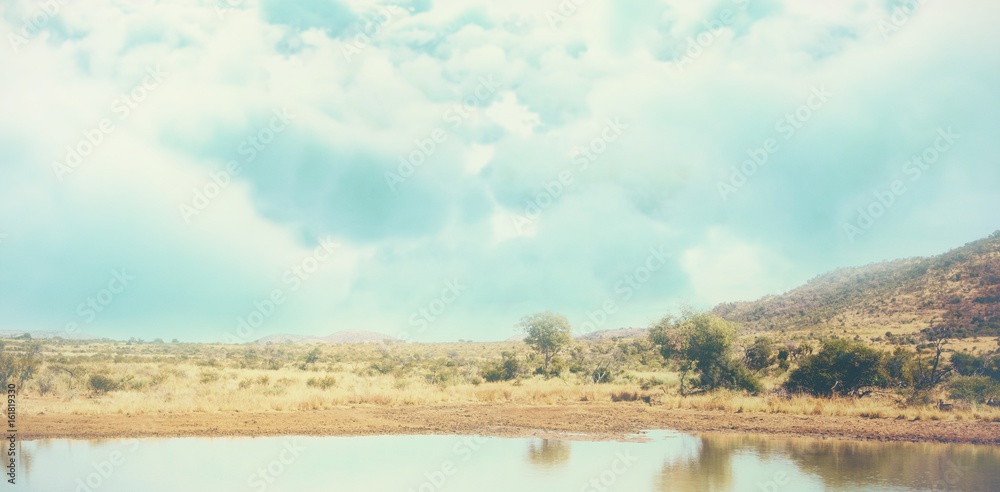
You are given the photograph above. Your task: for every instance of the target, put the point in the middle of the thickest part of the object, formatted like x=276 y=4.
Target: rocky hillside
x=958 y=290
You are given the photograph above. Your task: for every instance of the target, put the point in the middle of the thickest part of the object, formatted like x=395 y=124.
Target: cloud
x=607 y=129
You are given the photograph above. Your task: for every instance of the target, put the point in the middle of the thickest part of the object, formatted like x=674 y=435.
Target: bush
x=701 y=343
x=313 y=356
x=101 y=384
x=209 y=377
x=326 y=382
x=971 y=365
x=507 y=368
x=760 y=355
x=602 y=375
x=647 y=384
x=624 y=396
x=730 y=374
x=840 y=367
x=974 y=389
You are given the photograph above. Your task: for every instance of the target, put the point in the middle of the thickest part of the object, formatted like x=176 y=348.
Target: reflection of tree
x=838 y=464
x=548 y=452
x=709 y=468
x=26 y=458
x=937 y=466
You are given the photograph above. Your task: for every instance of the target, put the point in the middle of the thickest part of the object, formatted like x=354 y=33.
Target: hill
x=614 y=334
x=958 y=291
x=346 y=336
x=43 y=334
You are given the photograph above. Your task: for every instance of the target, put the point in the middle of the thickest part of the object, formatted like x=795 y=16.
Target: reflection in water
x=548 y=453
x=708 y=467
x=664 y=461
x=836 y=465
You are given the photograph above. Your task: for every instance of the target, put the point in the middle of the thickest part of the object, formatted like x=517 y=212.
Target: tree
x=313 y=355
x=547 y=334
x=760 y=354
x=840 y=367
x=702 y=343
x=974 y=389
x=19 y=366
x=505 y=369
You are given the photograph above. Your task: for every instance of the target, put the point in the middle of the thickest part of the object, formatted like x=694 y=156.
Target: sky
x=222 y=170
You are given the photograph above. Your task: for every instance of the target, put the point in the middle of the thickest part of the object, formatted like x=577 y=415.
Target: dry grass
x=167 y=378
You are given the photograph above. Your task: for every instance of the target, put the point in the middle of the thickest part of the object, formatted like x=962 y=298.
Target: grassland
x=120 y=379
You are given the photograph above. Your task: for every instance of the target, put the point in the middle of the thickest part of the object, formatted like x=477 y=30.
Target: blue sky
x=224 y=170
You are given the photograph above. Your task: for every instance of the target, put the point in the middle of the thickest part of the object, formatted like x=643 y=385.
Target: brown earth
x=594 y=419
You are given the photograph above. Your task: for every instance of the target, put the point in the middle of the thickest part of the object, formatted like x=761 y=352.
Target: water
x=663 y=461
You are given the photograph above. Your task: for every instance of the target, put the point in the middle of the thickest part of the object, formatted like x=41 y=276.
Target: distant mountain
x=597 y=335
x=613 y=334
x=958 y=290
x=44 y=334
x=347 y=336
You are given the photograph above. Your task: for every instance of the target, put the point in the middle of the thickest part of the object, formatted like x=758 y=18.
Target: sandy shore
x=596 y=420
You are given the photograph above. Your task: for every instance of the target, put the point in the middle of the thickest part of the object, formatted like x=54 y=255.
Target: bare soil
x=584 y=420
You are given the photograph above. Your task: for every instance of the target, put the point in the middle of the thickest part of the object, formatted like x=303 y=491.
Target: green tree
x=840 y=367
x=505 y=369
x=547 y=333
x=313 y=355
x=701 y=343
x=974 y=389
x=18 y=366
x=760 y=354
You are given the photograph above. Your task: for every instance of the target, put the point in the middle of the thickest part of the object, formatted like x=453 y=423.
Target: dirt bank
x=597 y=420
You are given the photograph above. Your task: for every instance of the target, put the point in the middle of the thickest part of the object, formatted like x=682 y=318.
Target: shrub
x=507 y=368
x=602 y=375
x=101 y=384
x=760 y=355
x=840 y=367
x=44 y=385
x=624 y=396
x=701 y=343
x=974 y=389
x=325 y=382
x=647 y=384
x=313 y=356
x=209 y=377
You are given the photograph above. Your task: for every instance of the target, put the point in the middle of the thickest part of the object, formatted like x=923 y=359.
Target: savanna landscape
x=905 y=350
x=556 y=246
